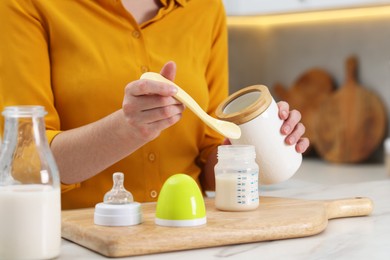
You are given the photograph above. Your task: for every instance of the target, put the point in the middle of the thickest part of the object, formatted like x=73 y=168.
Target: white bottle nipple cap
x=119 y=208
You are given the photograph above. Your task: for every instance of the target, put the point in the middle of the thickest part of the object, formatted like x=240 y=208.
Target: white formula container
x=256 y=113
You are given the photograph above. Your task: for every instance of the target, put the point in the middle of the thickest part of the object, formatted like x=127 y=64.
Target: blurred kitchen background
x=277 y=41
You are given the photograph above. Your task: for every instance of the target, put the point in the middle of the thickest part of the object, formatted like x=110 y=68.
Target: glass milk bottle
x=236 y=178
x=30 y=205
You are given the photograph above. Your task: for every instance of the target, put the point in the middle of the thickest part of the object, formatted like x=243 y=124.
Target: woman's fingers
x=302 y=145
x=145 y=87
x=149 y=106
x=292 y=127
x=291 y=122
x=169 y=70
x=284 y=110
x=296 y=134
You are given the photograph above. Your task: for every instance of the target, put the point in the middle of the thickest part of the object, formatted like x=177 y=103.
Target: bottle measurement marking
x=247 y=188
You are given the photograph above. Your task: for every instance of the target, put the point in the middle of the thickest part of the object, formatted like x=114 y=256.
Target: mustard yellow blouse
x=75 y=58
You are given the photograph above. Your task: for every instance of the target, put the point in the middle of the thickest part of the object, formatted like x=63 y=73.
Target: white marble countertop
x=349 y=238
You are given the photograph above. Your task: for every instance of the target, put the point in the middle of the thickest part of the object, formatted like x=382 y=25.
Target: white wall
x=280 y=53
x=261 y=7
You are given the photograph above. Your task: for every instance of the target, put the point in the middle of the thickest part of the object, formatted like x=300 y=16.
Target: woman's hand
x=292 y=127
x=149 y=106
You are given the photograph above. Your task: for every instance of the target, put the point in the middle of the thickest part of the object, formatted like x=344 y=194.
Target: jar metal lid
x=245 y=104
x=236 y=152
x=24 y=111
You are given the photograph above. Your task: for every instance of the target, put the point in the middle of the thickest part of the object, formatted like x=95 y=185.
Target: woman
x=77 y=58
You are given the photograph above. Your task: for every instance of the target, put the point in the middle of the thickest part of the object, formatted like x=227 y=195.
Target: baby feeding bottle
x=236 y=178
x=30 y=212
x=118 y=207
x=256 y=113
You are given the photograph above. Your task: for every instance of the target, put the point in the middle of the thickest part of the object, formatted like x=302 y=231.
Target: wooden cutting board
x=352 y=123
x=275 y=218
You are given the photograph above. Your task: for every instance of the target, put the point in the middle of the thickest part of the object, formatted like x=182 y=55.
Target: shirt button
x=136 y=34
x=144 y=69
x=152 y=157
x=153 y=194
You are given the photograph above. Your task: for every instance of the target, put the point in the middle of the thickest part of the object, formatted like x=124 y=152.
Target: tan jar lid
x=245 y=104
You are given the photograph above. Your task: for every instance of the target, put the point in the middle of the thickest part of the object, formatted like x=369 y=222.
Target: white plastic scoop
x=227 y=129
